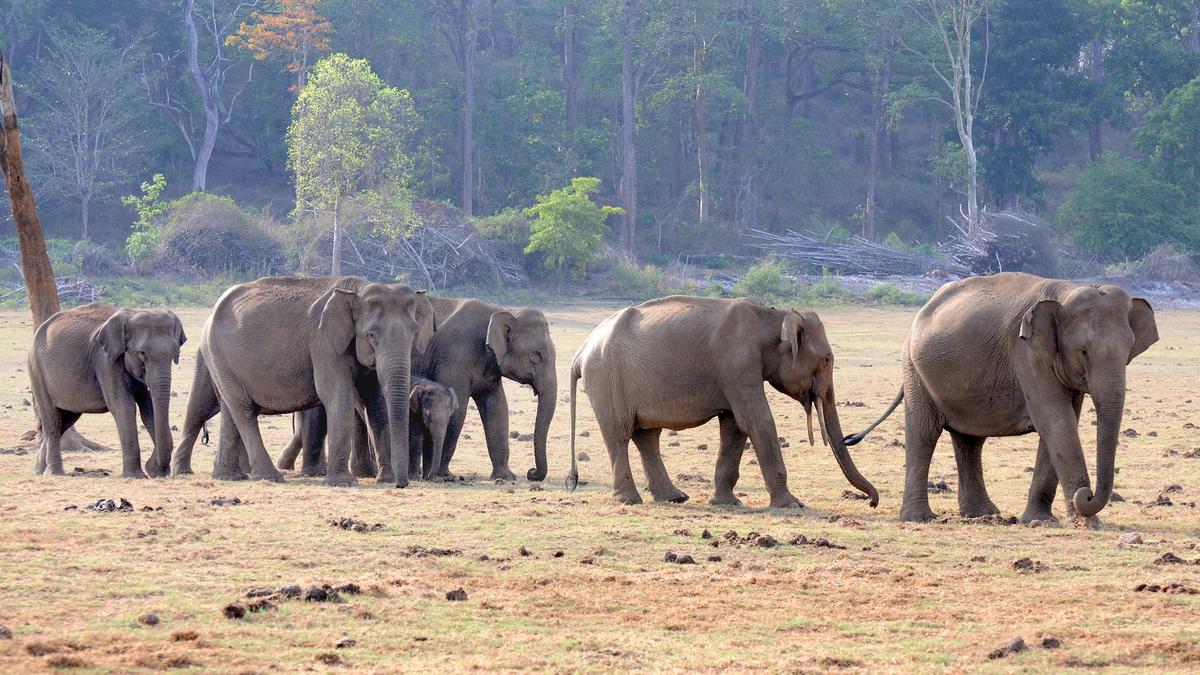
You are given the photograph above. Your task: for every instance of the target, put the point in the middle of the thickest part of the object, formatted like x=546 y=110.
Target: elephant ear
x=1145 y=330
x=177 y=332
x=497 y=335
x=426 y=321
x=414 y=396
x=793 y=327
x=1039 y=326
x=337 y=318
x=111 y=336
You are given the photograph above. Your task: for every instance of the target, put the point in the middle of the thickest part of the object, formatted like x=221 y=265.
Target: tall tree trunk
x=35 y=262
x=882 y=83
x=208 y=100
x=471 y=41
x=747 y=201
x=84 y=203
x=1193 y=43
x=628 y=123
x=336 y=254
x=1095 y=128
x=570 y=71
x=699 y=64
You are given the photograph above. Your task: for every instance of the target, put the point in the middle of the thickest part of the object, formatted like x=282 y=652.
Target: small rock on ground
x=456 y=595
x=148 y=619
x=234 y=611
x=1015 y=646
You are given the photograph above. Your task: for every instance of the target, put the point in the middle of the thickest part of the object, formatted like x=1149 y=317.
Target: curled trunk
x=546 y=389
x=831 y=433
x=1110 y=406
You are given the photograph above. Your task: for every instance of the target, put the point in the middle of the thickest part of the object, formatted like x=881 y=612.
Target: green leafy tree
x=1121 y=209
x=1171 y=137
x=149 y=208
x=346 y=144
x=568 y=227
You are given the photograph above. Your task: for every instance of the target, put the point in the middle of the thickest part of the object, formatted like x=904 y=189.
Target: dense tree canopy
x=701 y=118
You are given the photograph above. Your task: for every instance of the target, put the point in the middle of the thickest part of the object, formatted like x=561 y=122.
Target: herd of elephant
x=384 y=372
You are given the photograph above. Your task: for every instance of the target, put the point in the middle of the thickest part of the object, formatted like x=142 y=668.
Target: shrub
x=140 y=244
x=1166 y=262
x=828 y=288
x=568 y=227
x=213 y=235
x=635 y=280
x=71 y=257
x=891 y=294
x=766 y=281
x=507 y=225
x=1120 y=209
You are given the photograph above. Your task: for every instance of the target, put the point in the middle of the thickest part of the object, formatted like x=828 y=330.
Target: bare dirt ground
x=559 y=581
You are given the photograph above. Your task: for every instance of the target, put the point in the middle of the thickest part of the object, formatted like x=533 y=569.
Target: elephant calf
x=95 y=359
x=677 y=362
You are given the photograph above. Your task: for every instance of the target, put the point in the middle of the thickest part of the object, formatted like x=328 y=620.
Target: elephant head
x=802 y=368
x=148 y=343
x=520 y=340
x=1083 y=345
x=435 y=404
x=382 y=323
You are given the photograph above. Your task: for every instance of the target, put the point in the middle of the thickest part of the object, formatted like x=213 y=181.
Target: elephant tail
x=853 y=439
x=573 y=476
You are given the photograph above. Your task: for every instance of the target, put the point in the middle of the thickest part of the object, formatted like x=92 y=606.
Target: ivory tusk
x=821 y=421
x=808 y=411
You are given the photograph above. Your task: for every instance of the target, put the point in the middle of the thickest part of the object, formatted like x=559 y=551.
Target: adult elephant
x=1009 y=354
x=97 y=358
x=677 y=362
x=283 y=344
x=478 y=344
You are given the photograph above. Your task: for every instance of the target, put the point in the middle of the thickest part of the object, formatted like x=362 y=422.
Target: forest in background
x=701 y=119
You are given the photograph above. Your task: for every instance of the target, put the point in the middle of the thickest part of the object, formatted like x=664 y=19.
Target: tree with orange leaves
x=297 y=31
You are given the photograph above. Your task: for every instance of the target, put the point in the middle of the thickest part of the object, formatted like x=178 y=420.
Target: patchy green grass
x=939 y=596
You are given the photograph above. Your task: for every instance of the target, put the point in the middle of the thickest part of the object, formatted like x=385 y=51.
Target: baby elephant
x=95 y=359
x=431 y=405
x=679 y=361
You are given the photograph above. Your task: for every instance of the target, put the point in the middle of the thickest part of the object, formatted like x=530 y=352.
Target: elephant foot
x=1038 y=515
x=786 y=500
x=673 y=495
x=503 y=473
x=271 y=475
x=235 y=474
x=156 y=471
x=133 y=473
x=415 y=475
x=313 y=471
x=918 y=513
x=402 y=481
x=978 y=510
x=385 y=475
x=182 y=470
x=628 y=497
x=1089 y=523
x=54 y=471
x=725 y=500
x=340 y=480
x=364 y=472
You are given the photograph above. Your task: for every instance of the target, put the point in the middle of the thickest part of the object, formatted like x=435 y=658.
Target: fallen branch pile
x=853 y=256
x=1009 y=241
x=71 y=290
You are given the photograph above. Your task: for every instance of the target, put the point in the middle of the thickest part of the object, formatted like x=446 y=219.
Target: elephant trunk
x=437 y=437
x=546 y=388
x=158 y=381
x=1109 y=408
x=831 y=433
x=395 y=385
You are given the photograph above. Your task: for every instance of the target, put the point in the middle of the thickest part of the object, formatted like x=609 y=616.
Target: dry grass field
x=561 y=581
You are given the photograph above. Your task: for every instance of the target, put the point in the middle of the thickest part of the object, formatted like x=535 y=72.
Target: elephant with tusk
x=677 y=362
x=1009 y=354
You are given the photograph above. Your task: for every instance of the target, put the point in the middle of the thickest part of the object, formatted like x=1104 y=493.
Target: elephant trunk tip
x=872 y=495
x=1086 y=504
x=853 y=439
x=535 y=475
x=572 y=481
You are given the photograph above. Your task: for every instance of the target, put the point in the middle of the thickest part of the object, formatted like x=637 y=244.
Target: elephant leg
x=922 y=427
x=246 y=420
x=377 y=420
x=362 y=459
x=226 y=465
x=752 y=414
x=973 y=500
x=287 y=458
x=493 y=411
x=453 y=430
x=312 y=440
x=203 y=405
x=156 y=466
x=340 y=418
x=647 y=442
x=125 y=413
x=54 y=425
x=1042 y=489
x=729 y=459
x=616 y=430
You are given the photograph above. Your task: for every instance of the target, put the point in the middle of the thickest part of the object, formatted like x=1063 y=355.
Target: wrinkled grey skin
x=284 y=344
x=677 y=362
x=478 y=344
x=430 y=407
x=96 y=358
x=1009 y=354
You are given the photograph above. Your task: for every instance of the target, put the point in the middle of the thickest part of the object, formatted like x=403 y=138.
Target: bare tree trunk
x=336 y=254
x=570 y=71
x=208 y=99
x=699 y=64
x=1095 y=130
x=1193 y=43
x=84 y=203
x=628 y=123
x=35 y=262
x=748 y=200
x=469 y=62
x=883 y=81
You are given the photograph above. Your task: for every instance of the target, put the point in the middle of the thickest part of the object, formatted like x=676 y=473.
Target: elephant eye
x=537 y=356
